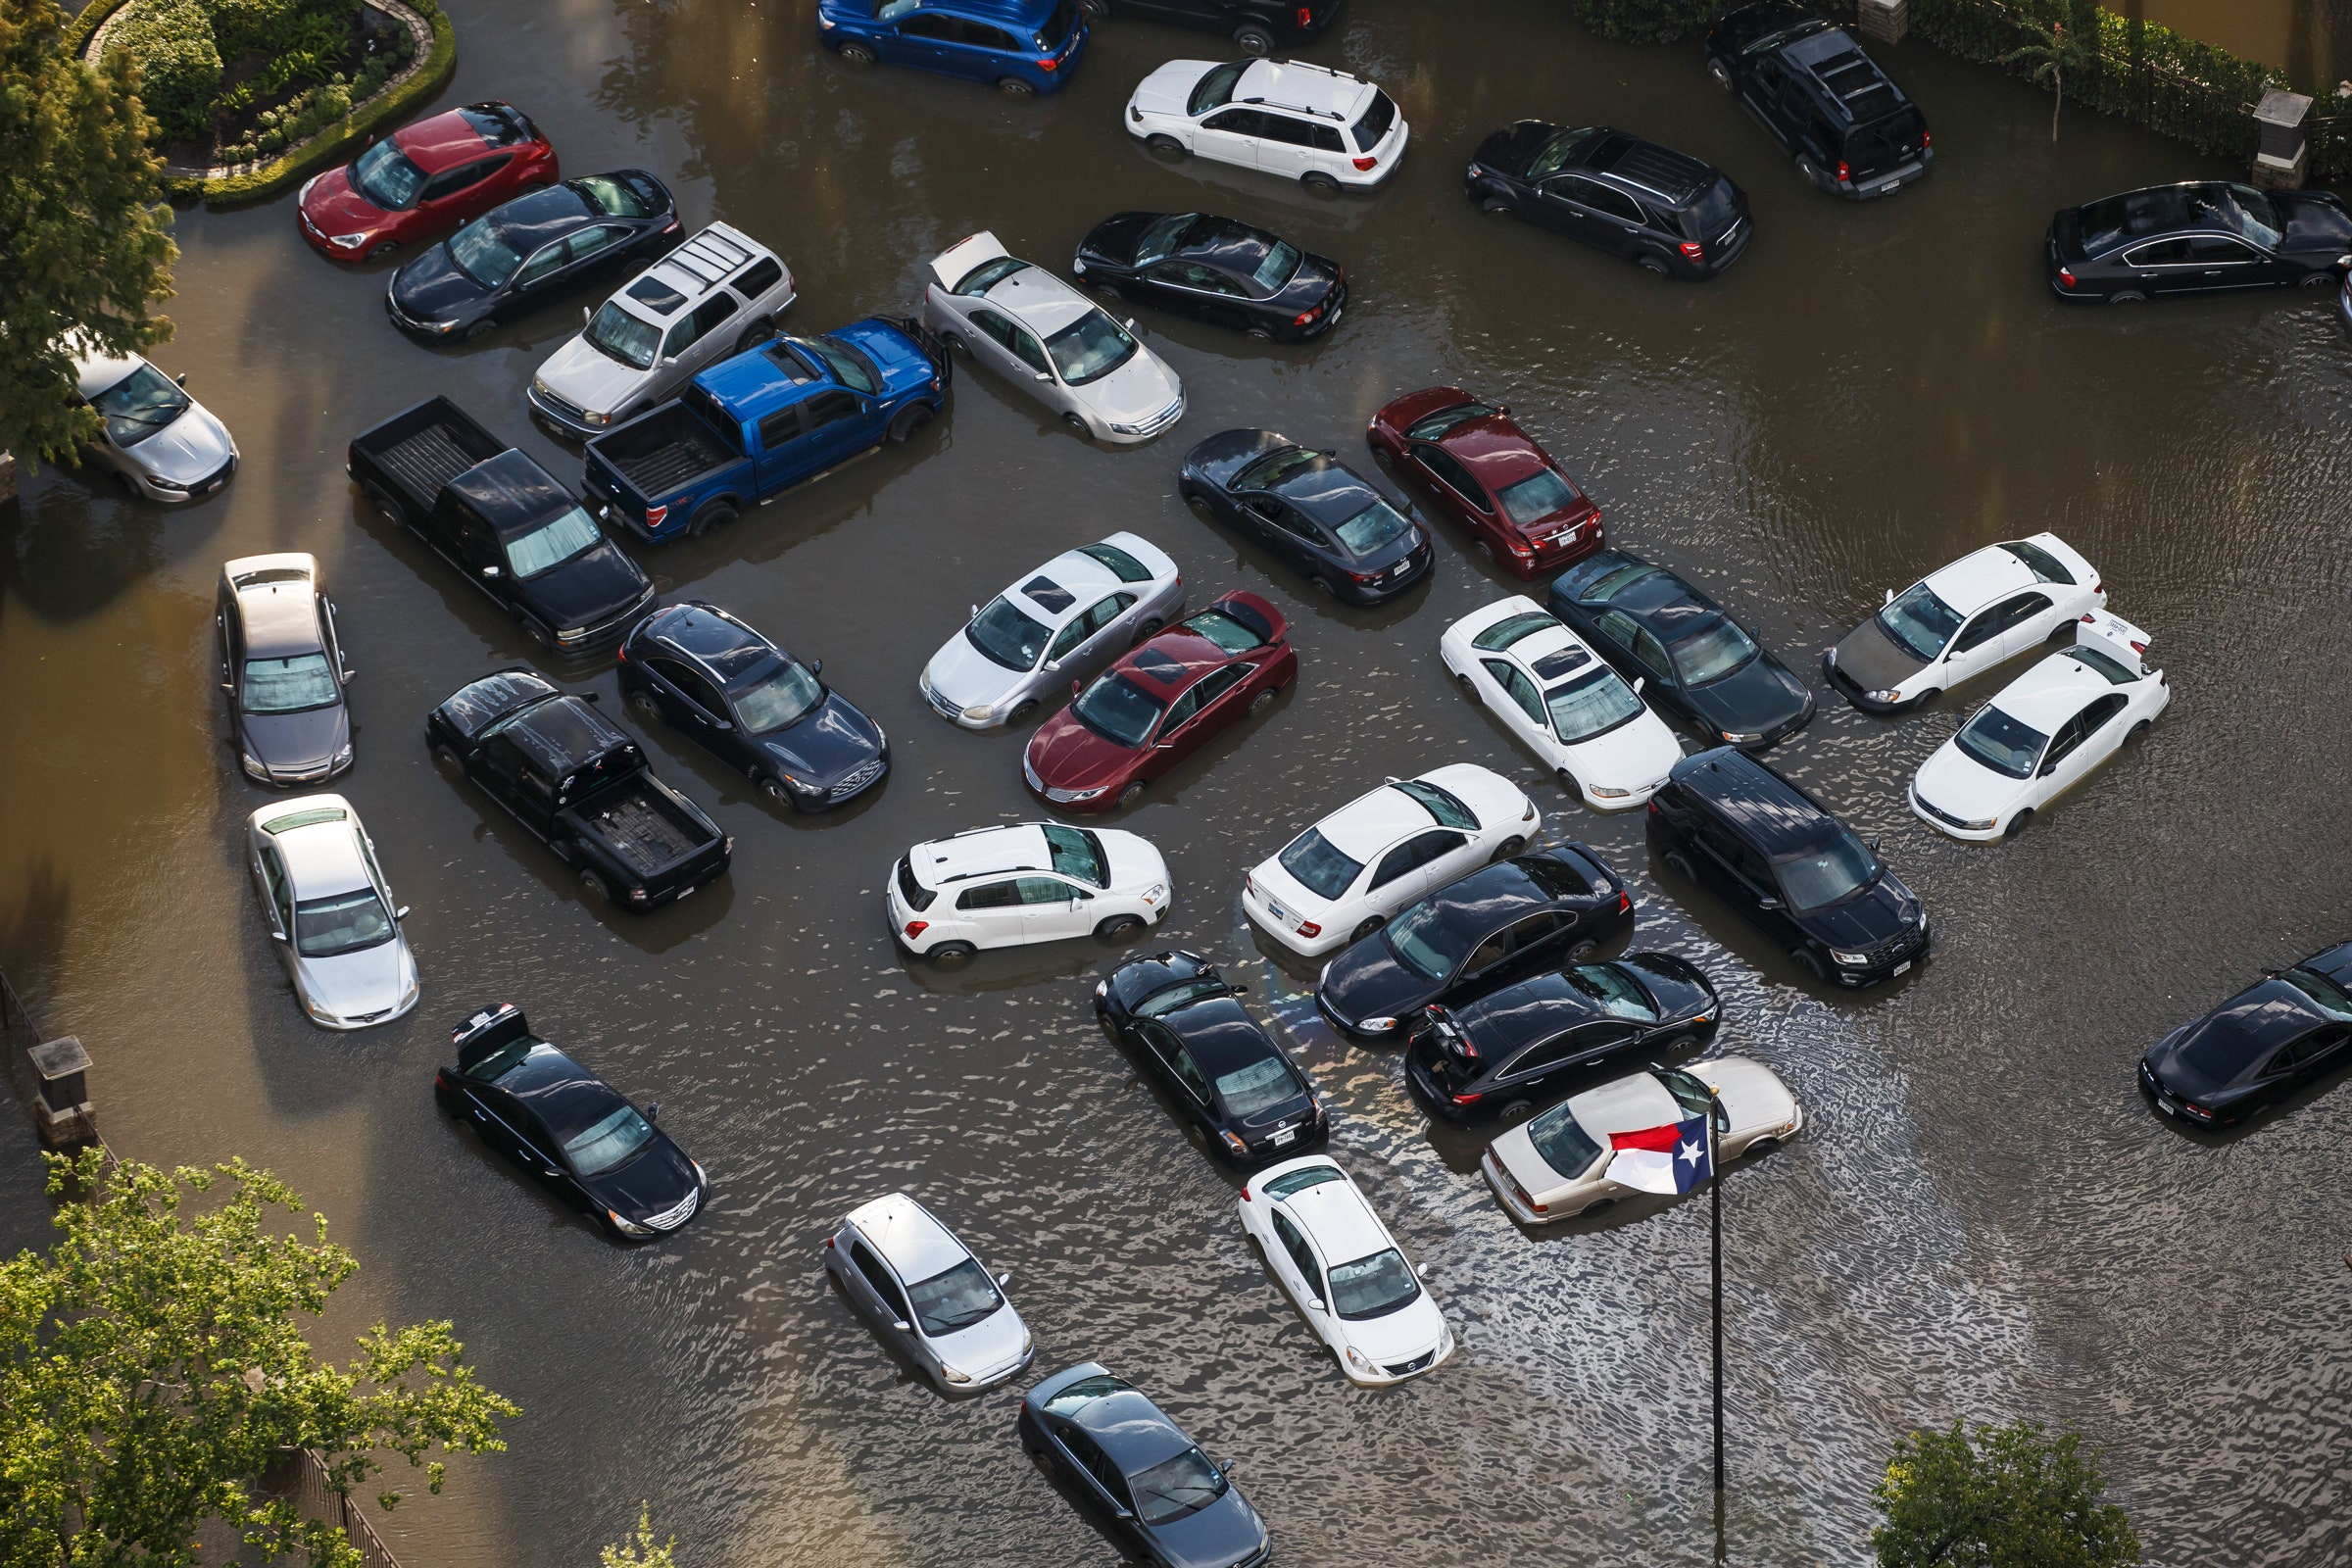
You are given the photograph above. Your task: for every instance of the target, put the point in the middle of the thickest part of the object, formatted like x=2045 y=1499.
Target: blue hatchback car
x=1025 y=47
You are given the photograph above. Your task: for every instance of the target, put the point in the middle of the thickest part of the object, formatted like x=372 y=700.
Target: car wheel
x=1680 y=865
x=1517 y=1111
x=1079 y=425
x=714 y=515
x=592 y=886
x=1812 y=172
x=381 y=502
x=2128 y=296
x=1582 y=949
x=773 y=789
x=447 y=763
x=856 y=54
x=1265 y=700
x=1098 y=12
x=1651 y=265
x=907 y=421
x=1027 y=707
x=1118 y=927
x=1250 y=38
x=1806 y=962
x=1319 y=183
x=2016 y=824
x=1496 y=204
x=1762 y=1146
x=752 y=336
x=1367 y=927
x=1469 y=689
x=1167 y=146
x=1015 y=87
x=951 y=952
x=480 y=329
x=2138 y=732
x=2324 y=277
x=540 y=635
x=1258 y=332
x=956 y=344
x=1599 y=1205
x=1324 y=585
x=385 y=249
x=1506 y=848
x=641 y=704
x=1133 y=793
x=1145 y=632
x=1721 y=73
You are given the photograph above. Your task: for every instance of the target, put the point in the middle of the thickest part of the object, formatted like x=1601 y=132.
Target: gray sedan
x=162 y=444
x=330 y=913
x=934 y=1301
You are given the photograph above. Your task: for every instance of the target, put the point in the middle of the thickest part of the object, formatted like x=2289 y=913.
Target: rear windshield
x=1716 y=206
x=1440 y=803
x=1511 y=628
x=1617 y=581
x=1542 y=494
x=613 y=197
x=2093 y=660
x=1318 y=867
x=1078 y=855
x=1887 y=142
x=1085 y=1392
x=1920 y=621
x=1122 y=565
x=1258 y=1087
x=988 y=274
x=1298 y=1181
x=1616 y=991
x=1375 y=123
x=2045 y=567
x=1226 y=631
x=1562 y=1143
x=1430 y=426
x=1181 y=995
x=1372 y=528
x=1280 y=265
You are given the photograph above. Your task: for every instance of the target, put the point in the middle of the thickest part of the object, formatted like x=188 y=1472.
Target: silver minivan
x=930 y=1295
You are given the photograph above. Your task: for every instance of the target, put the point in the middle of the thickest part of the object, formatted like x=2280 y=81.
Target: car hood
x=587 y=378
x=297 y=743
x=1508 y=150
x=334 y=208
x=1134 y=863
x=1365 y=982
x=1169 y=89
x=986 y=1347
x=1134 y=392
x=1068 y=756
x=1679 y=985
x=1758 y=697
x=1955 y=783
x=2316 y=220
x=1114 y=239
x=655 y=1182
x=587 y=590
x=2229 y=1039
x=1226 y=1532
x=1227 y=452
x=1750 y=1094
x=1882 y=910
x=1416 y=1327
x=192 y=447
x=429 y=287
x=825 y=743
x=963 y=675
x=1870 y=658
x=353 y=985
x=1636 y=753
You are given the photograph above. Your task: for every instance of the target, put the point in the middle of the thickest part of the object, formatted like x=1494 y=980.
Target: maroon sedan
x=424 y=180
x=1491 y=476
x=1158 y=704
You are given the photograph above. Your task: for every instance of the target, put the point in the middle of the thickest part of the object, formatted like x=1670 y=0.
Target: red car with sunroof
x=424 y=180
x=1489 y=477
x=1160 y=704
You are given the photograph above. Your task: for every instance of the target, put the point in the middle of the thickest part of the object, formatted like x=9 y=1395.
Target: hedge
x=1646 y=21
x=179 y=65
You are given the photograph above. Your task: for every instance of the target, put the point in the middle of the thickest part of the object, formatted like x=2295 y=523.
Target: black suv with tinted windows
x=1633 y=198
x=1852 y=131
x=1727 y=821
x=1256 y=27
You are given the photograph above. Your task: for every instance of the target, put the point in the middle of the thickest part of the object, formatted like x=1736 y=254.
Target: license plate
x=1889 y=185
x=1280 y=914
x=1336 y=314
x=690 y=893
x=2171 y=1106
x=1284 y=1135
x=1903 y=967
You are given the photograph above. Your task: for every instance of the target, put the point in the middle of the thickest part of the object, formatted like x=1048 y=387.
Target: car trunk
x=1886 y=145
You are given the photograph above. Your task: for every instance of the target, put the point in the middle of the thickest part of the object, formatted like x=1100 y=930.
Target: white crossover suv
x=1003 y=886
x=1325 y=129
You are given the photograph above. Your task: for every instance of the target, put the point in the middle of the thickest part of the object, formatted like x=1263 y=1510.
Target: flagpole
x=1715 y=1205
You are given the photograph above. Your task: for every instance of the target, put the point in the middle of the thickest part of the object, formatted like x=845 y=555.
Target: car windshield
x=1215 y=88
x=1377 y=118
x=1318 y=867
x=782 y=699
x=617 y=335
x=608 y=1143
x=1422 y=941
x=343 y=923
x=1373 y=1287
x=1372 y=528
x=1174 y=1488
x=288 y=685
x=385 y=177
x=1164 y=236
x=1119 y=711
x=1258 y=1087
x=955 y=1300
x=1562 y=1143
x=1007 y=636
x=551 y=543
x=848 y=366
x=1711 y=652
x=1920 y=622
x=1542 y=494
x=1181 y=995
x=1558 y=151
x=2330 y=996
x=484 y=251
x=1438 y=803
x=1223 y=629
x=1078 y=855
x=1829 y=873
x=1592 y=705
x=139 y=405
x=1616 y=991
x=1280 y=265
x=1089 y=348
x=2001 y=743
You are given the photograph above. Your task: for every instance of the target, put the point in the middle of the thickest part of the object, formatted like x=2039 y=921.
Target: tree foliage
x=2002 y=1498
x=153 y=1362
x=2052 y=53
x=639 y=1551
x=83 y=246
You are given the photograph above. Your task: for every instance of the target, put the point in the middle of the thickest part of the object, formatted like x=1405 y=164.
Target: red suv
x=424 y=180
x=1491 y=476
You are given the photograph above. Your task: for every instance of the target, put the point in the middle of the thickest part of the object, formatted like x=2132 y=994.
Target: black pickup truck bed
x=416 y=454
x=637 y=825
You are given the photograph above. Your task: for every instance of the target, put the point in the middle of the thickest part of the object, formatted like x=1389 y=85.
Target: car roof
x=1133 y=1431
x=318 y=836
x=908 y=1239
x=1752 y=798
x=1338 y=1219
x=1494 y=449
x=511 y=493
x=1499 y=892
x=2051 y=691
x=563 y=734
x=1030 y=14
x=1980 y=578
x=755 y=383
x=93 y=373
x=1220 y=1034
x=982 y=852
x=1084 y=579
x=442 y=142
x=1630 y=1105
x=530 y=220
x=1041 y=300
x=1532 y=1009
x=1303 y=85
x=1669 y=605
x=1675 y=178
x=277 y=604
x=1852 y=80
x=691 y=273
x=724 y=647
x=1172 y=660
x=1371 y=822
x=1327 y=490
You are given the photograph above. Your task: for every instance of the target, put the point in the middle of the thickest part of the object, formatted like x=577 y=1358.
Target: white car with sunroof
x=1052 y=341
x=1351 y=1282
x=2043 y=733
x=937 y=1302
x=1292 y=118
x=1341 y=879
x=1961 y=620
x=332 y=921
x=1057 y=625
x=1005 y=886
x=1568 y=707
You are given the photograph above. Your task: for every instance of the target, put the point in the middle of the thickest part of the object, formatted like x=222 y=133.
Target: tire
x=1258 y=332
x=1324 y=585
x=387 y=248
x=1762 y=1146
x=593 y=889
x=1251 y=38
x=1015 y=89
x=1367 y=927
x=447 y=763
x=540 y=634
x=1496 y=204
x=1582 y=949
x=1568 y=782
x=381 y=502
x=2016 y=824
x=1721 y=73
x=1599 y=1205
x=1806 y=962
x=1118 y=927
x=1517 y=1111
x=907 y=421
x=643 y=706
x=1506 y=848
x=956 y=344
x=2324 y=277
x=856 y=54
x=479 y=330
x=713 y=514
x=1079 y=425
x=1169 y=146
x=1133 y=793
x=1319 y=183
x=1263 y=701
x=1469 y=689
x=1680 y=865
x=1145 y=632
x=752 y=336
x=1653 y=266
x=1027 y=707
x=772 y=789
x=2128 y=296
x=1812 y=172
x=2138 y=732
x=1098 y=12
x=948 y=952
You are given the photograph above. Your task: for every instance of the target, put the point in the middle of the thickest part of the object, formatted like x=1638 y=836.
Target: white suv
x=1003 y=886
x=1323 y=128
x=712 y=297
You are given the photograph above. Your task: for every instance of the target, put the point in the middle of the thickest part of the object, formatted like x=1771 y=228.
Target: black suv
x=1727 y=821
x=1852 y=131
x=1632 y=198
x=1256 y=27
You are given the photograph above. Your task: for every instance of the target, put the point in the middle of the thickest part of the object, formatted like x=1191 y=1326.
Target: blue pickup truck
x=791 y=410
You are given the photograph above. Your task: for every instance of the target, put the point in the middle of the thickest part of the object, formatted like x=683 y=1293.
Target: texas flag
x=1673 y=1158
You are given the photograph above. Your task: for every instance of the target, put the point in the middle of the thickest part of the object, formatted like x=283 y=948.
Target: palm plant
x=2053 y=53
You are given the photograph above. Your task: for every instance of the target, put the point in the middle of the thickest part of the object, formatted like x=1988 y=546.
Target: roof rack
x=709 y=257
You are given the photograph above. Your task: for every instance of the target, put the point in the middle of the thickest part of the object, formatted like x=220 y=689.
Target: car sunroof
x=1154 y=663
x=1553 y=665
x=1048 y=593
x=656 y=293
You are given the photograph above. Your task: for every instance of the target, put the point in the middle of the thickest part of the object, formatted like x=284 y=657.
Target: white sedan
x=1569 y=708
x=1960 y=621
x=1556 y=1165
x=2042 y=734
x=1344 y=877
x=1004 y=887
x=1055 y=625
x=1333 y=1256
x=1292 y=118
x=1043 y=335
x=330 y=913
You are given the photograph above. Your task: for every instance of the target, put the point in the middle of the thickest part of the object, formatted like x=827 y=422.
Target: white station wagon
x=1004 y=887
x=911 y=1275
x=330 y=913
x=1322 y=127
x=1333 y=1256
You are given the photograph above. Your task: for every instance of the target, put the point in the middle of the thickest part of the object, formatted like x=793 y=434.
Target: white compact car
x=909 y=1273
x=712 y=297
x=1029 y=325
x=1077 y=611
x=2042 y=734
x=1003 y=886
x=1565 y=704
x=1959 y=621
x=330 y=912
x=1335 y=1259
x=1556 y=1166
x=162 y=444
x=1344 y=877
x=1323 y=128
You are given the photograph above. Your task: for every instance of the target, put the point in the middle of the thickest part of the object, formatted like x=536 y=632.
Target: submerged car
x=1217 y=269
x=1003 y=887
x=1850 y=129
x=1290 y=118
x=330 y=913
x=2197 y=237
x=913 y=1276
x=2272 y=1038
x=1023 y=47
x=1313 y=513
x=1256 y=27
x=1489 y=477
x=423 y=178
x=1663 y=211
x=1960 y=621
x=159 y=443
x=527 y=253
x=567 y=1128
x=1339 y=1264
x=1238 y=1090
x=282 y=669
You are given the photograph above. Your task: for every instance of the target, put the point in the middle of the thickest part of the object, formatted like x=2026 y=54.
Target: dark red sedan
x=1158 y=704
x=423 y=180
x=1491 y=476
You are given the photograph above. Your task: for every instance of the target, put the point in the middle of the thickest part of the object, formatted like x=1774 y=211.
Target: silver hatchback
x=930 y=1295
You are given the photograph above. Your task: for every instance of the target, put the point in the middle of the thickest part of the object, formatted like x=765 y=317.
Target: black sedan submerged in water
x=2197 y=237
x=2262 y=1044
x=1311 y=511
x=1215 y=268
x=526 y=253
x=1226 y=1073
x=568 y=1128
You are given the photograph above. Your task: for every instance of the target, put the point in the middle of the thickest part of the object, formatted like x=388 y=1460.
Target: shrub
x=179 y=67
x=274 y=27
x=1646 y=21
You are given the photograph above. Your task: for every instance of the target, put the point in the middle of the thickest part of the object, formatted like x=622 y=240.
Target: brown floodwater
x=1983 y=1219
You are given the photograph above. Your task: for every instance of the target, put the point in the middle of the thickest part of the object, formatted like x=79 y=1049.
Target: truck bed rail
x=640 y=831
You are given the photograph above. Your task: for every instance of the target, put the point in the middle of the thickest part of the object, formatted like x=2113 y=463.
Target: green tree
x=83 y=246
x=639 y=1551
x=2003 y=1497
x=2053 y=53
x=153 y=1362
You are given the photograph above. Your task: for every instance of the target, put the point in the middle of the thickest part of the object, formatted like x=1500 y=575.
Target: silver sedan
x=331 y=918
x=932 y=1297
x=162 y=443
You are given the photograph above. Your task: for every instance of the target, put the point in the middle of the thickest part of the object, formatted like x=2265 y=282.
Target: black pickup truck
x=569 y=775
x=505 y=522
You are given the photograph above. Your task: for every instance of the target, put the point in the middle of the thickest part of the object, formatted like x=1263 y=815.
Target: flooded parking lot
x=1983 y=1219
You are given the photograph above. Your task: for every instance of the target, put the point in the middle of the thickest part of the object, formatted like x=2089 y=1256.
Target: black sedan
x=753 y=705
x=1311 y=511
x=2197 y=237
x=1494 y=926
x=1162 y=1499
x=2260 y=1045
x=1499 y=1056
x=1662 y=210
x=517 y=256
x=568 y=1128
x=1232 y=1081
x=1680 y=649
x=1217 y=269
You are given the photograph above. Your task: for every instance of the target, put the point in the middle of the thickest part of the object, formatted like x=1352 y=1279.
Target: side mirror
x=593 y=697
x=1890 y=596
x=1004 y=1278
x=975 y=612
x=1639 y=681
x=1131 y=323
x=1237 y=991
x=2047 y=768
x=585 y=318
x=2344 y=262
x=492 y=572
x=1042 y=376
x=401 y=913
x=1314 y=1303
x=721 y=723
x=1117 y=1512
x=347 y=674
x=228 y=686
x=901 y=1324
x=1227 y=1466
x=277 y=936
x=653 y=1112
x=1768 y=904
x=670 y=362
x=1503 y=408
x=1873 y=842
x=181 y=380
x=816 y=666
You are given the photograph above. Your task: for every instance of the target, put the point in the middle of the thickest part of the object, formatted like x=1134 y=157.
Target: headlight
x=1787 y=1127
x=253 y=765
x=628 y=1227
x=1159 y=890
x=570 y=634
x=1850 y=961
x=981 y=713
x=1737 y=739
x=1362 y=1363
x=1377 y=1026
x=591 y=416
x=1025 y=1342
x=343 y=755
x=1125 y=429
x=1982 y=825
x=349 y=242
x=1890 y=694
x=1923 y=922
x=1074 y=795
x=1101 y=988
x=1078 y=265
x=317 y=1012
x=1609 y=794
x=953 y=1376
x=444 y=329
x=161 y=483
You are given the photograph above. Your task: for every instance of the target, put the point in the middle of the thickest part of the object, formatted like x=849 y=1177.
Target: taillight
x=1468 y=1100
x=2066 y=279
x=1305 y=317
x=1365 y=164
x=1365 y=577
x=655 y=515
x=1844 y=173
x=1309 y=930
x=1518 y=548
x=1927 y=138
x=2098 y=587
x=621 y=652
x=915 y=928
x=1306 y=18
x=1692 y=250
x=1045 y=64
x=1524 y=1197
x=1625 y=900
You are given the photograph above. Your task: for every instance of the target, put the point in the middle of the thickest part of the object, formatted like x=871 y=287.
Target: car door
x=1426 y=860
x=1053 y=909
x=540 y=273
x=1300 y=1271
x=2070 y=754
x=1198 y=291
x=1522 y=708
x=1183 y=1075
x=980 y=51
x=277 y=892
x=2025 y=620
x=833 y=426
x=2219 y=263
x=690 y=701
x=1285 y=144
x=1535 y=940
x=1733 y=870
x=1978 y=645
x=477 y=554
x=995 y=913
x=1090 y=637
x=1103 y=1486
x=2160 y=266
x=921 y=40
x=1761 y=88
x=229 y=618
x=1606 y=216
x=1525 y=1074
x=2322 y=1051
x=1454 y=487
x=456 y=194
x=995 y=343
x=1230 y=136
x=695 y=340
